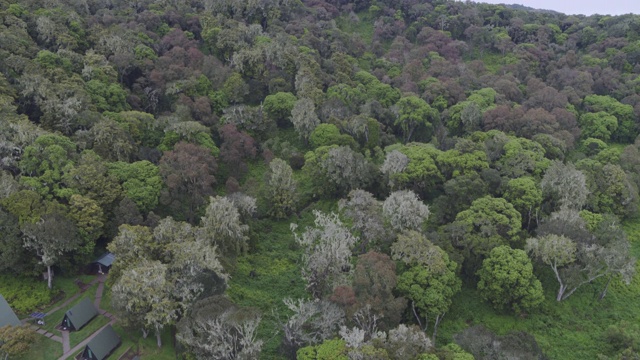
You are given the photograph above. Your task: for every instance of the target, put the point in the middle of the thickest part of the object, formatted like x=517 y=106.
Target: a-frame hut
x=101 y=345
x=7 y=316
x=79 y=315
x=104 y=262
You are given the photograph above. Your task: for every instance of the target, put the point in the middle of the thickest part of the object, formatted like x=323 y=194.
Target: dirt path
x=84 y=342
x=64 y=335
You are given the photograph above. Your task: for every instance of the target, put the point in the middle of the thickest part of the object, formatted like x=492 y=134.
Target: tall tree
x=157 y=276
x=304 y=118
x=281 y=189
x=507 y=280
x=50 y=237
x=556 y=252
x=488 y=223
x=221 y=226
x=365 y=213
x=216 y=328
x=404 y=211
x=374 y=280
x=430 y=288
x=188 y=171
x=414 y=113
x=327 y=252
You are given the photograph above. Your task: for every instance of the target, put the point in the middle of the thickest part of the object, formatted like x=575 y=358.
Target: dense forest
x=325 y=179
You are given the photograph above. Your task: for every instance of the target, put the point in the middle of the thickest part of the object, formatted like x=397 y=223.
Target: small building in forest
x=7 y=316
x=104 y=262
x=79 y=315
x=102 y=345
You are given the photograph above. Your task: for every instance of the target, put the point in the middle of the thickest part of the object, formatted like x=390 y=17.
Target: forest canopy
x=367 y=179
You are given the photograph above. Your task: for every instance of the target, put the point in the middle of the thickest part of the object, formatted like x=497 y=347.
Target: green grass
x=147 y=347
x=571 y=329
x=275 y=260
x=76 y=337
x=43 y=349
x=53 y=320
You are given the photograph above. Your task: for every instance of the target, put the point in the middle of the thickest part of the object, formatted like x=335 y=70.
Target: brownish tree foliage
x=373 y=283
x=188 y=171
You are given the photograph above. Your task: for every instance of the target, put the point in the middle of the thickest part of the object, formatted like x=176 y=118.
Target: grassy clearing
x=275 y=260
x=147 y=347
x=53 y=320
x=26 y=294
x=572 y=329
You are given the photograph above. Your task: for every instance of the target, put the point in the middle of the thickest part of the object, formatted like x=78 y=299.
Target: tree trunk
x=415 y=313
x=158 y=338
x=606 y=287
x=435 y=329
x=49 y=276
x=145 y=333
x=561 y=291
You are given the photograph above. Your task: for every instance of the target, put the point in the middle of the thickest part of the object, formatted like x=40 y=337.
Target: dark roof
x=7 y=316
x=104 y=343
x=106 y=259
x=82 y=313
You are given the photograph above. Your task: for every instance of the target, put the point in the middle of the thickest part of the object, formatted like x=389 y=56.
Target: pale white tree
x=281 y=189
x=326 y=252
x=51 y=237
x=245 y=204
x=555 y=251
x=141 y=294
x=347 y=169
x=365 y=213
x=217 y=329
x=157 y=276
x=221 y=226
x=403 y=210
x=565 y=183
x=394 y=163
x=311 y=322
x=304 y=117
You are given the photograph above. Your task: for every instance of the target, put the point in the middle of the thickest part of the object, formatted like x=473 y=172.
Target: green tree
x=454 y=163
x=50 y=238
x=525 y=195
x=430 y=288
x=44 y=163
x=414 y=113
x=507 y=280
x=89 y=218
x=279 y=105
x=421 y=173
x=16 y=340
x=329 y=134
x=600 y=125
x=488 y=223
x=626 y=129
x=140 y=181
x=92 y=178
